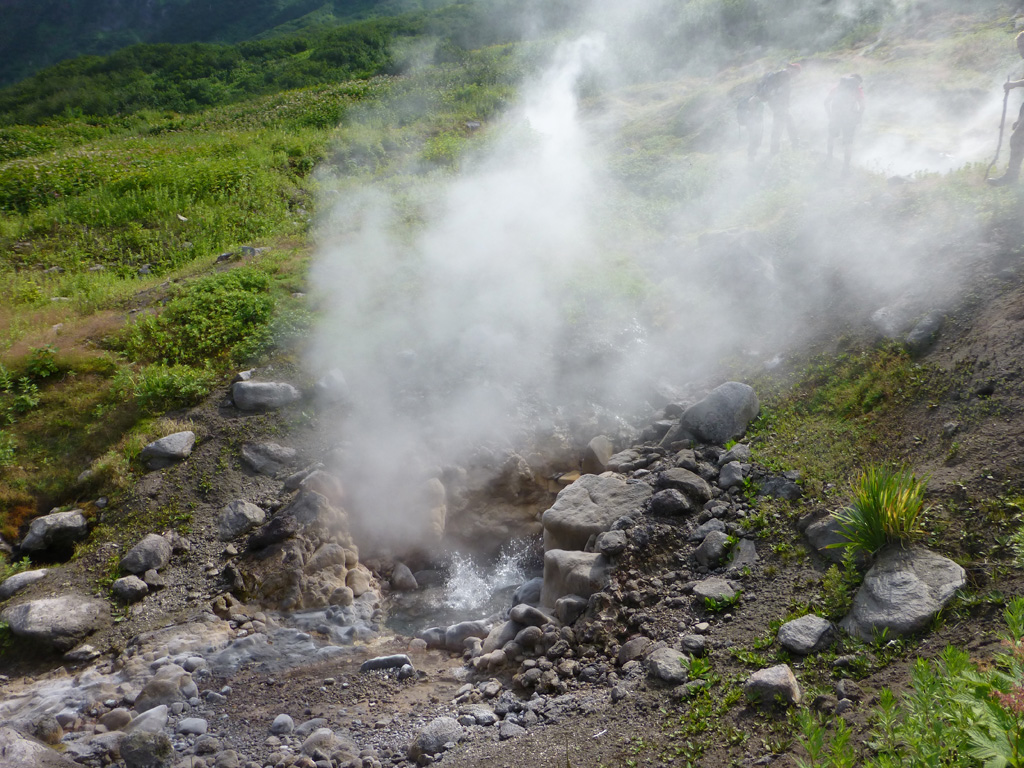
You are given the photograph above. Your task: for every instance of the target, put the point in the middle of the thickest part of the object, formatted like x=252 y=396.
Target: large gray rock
x=598 y=453
x=902 y=592
x=142 y=749
x=18 y=751
x=60 y=622
x=690 y=484
x=170 y=684
x=723 y=415
x=433 y=738
x=268 y=458
x=167 y=450
x=713 y=549
x=456 y=635
x=263 y=395
x=17 y=582
x=714 y=588
x=56 y=531
x=238 y=518
x=154 y=551
x=808 y=634
x=827 y=538
x=573 y=573
x=667 y=664
x=129 y=589
x=588 y=507
x=775 y=684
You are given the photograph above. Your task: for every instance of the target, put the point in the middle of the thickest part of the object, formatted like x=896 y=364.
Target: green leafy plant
x=886 y=508
x=42 y=362
x=718 y=605
x=838 y=586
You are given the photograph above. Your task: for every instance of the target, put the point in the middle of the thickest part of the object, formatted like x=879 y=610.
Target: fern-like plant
x=887 y=507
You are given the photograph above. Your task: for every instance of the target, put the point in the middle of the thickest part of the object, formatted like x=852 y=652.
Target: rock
x=529 y=591
x=808 y=634
x=60 y=622
x=509 y=730
x=456 y=635
x=282 y=725
x=695 y=645
x=168 y=450
x=668 y=665
x=170 y=684
x=396 y=661
x=332 y=388
x=268 y=458
x=14 y=584
x=714 y=588
x=500 y=635
x=570 y=608
x=597 y=454
x=48 y=730
x=701 y=531
x=434 y=737
x=924 y=334
x=142 y=749
x=55 y=533
x=573 y=573
x=744 y=555
x=902 y=592
x=192 y=726
x=529 y=616
x=730 y=476
x=115 y=719
x=18 y=751
x=739 y=452
x=152 y=720
x=402 y=579
x=589 y=507
x=723 y=415
x=280 y=528
x=692 y=485
x=611 y=543
x=670 y=503
x=152 y=552
x=775 y=684
x=322 y=739
x=633 y=649
x=713 y=549
x=780 y=488
x=263 y=395
x=129 y=589
x=823 y=535
x=238 y=518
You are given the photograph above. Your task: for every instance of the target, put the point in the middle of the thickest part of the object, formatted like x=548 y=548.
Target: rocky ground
x=246 y=642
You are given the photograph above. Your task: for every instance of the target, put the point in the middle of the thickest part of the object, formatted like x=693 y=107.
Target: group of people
x=844 y=106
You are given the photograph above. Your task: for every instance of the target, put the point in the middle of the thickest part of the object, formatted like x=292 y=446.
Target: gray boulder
x=690 y=484
x=268 y=458
x=456 y=635
x=808 y=634
x=167 y=450
x=142 y=749
x=714 y=588
x=670 y=503
x=598 y=453
x=713 y=549
x=154 y=551
x=668 y=665
x=263 y=395
x=238 y=518
x=528 y=591
x=723 y=415
x=826 y=536
x=14 y=584
x=402 y=579
x=60 y=622
x=332 y=388
x=435 y=737
x=18 y=751
x=775 y=684
x=588 y=507
x=129 y=589
x=730 y=476
x=611 y=543
x=902 y=592
x=573 y=573
x=55 y=531
x=702 y=530
x=924 y=334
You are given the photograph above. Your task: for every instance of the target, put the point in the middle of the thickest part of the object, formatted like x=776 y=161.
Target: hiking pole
x=1002 y=124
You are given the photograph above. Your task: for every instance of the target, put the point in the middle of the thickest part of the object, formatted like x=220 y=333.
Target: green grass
x=886 y=508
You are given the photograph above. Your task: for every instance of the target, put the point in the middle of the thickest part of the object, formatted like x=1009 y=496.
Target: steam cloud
x=551 y=274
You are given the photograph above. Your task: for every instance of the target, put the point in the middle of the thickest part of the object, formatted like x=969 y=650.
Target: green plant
x=887 y=504
x=8 y=449
x=158 y=388
x=838 y=586
x=720 y=604
x=42 y=362
x=698 y=667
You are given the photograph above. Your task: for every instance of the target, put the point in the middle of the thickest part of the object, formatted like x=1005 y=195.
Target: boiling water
x=473 y=589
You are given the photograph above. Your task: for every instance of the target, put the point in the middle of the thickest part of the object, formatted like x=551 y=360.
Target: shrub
x=159 y=388
x=887 y=504
x=8 y=448
x=205 y=321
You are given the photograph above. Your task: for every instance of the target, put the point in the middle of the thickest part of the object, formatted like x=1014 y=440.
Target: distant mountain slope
x=39 y=33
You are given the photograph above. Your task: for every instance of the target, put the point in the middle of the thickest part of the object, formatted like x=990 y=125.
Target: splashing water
x=472 y=586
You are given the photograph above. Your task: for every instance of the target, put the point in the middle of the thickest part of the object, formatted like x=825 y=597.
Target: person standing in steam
x=845 y=108
x=1017 y=137
x=774 y=90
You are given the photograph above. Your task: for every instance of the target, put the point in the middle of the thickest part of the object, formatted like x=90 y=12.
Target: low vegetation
x=886 y=508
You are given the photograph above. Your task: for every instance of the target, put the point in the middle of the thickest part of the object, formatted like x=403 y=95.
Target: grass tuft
x=887 y=507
